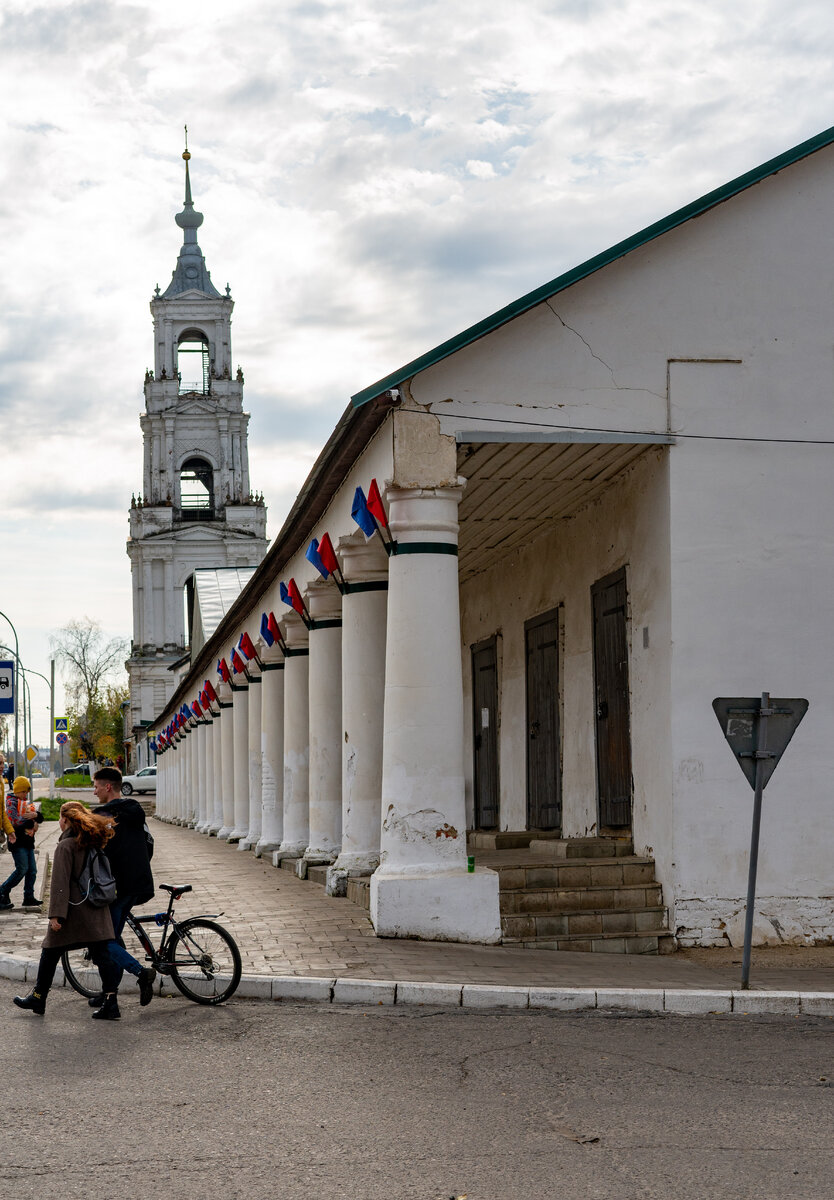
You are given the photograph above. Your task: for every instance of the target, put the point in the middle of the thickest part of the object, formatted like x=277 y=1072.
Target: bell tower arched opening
x=193 y=366
x=196 y=490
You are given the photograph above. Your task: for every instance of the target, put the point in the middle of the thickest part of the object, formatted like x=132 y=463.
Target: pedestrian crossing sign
x=60 y=724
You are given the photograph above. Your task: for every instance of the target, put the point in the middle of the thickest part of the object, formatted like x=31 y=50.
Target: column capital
x=323 y=600
x=424 y=514
x=362 y=561
x=295 y=632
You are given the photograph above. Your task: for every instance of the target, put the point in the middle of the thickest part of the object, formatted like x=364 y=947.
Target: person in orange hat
x=25 y=819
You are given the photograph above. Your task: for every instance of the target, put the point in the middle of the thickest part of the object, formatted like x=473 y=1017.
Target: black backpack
x=96 y=880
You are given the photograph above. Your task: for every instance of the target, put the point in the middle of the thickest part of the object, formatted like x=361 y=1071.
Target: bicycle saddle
x=176 y=892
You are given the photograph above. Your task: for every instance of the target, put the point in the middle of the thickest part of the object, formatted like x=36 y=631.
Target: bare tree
x=88 y=659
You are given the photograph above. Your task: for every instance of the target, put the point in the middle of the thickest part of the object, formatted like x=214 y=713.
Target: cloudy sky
x=375 y=176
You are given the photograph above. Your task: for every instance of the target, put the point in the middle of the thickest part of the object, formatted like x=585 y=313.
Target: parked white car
x=143 y=781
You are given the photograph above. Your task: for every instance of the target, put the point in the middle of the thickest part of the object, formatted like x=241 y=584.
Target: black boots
x=34 y=1002
x=109 y=1010
x=146 y=977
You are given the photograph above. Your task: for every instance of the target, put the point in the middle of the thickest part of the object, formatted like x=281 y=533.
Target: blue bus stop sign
x=6 y=686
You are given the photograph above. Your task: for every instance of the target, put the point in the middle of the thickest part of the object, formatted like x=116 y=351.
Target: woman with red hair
x=73 y=920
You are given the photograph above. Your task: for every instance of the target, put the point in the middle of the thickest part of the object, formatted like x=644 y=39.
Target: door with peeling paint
x=613 y=723
x=485 y=729
x=544 y=782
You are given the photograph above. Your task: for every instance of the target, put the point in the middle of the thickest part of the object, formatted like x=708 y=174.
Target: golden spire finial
x=186 y=155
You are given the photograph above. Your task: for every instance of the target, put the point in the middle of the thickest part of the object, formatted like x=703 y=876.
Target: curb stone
x=348 y=990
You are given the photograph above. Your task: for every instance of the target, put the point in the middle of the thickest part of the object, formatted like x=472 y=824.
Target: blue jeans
x=120 y=957
x=25 y=868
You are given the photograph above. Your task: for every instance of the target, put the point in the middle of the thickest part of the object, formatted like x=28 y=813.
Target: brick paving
x=288 y=926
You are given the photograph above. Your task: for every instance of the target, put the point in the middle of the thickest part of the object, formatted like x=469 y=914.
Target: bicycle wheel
x=205 y=961
x=81 y=972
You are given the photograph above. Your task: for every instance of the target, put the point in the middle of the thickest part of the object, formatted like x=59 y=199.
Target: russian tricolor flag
x=223 y=670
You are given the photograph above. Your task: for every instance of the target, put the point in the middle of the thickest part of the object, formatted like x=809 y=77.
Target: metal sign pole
x=762 y=756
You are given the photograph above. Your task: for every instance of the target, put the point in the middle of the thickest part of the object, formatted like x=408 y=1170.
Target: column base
x=288 y=850
x=213 y=829
x=236 y=835
x=246 y=843
x=265 y=848
x=354 y=863
x=448 y=906
x=223 y=833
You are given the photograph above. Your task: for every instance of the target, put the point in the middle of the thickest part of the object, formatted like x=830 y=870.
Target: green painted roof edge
x=694 y=209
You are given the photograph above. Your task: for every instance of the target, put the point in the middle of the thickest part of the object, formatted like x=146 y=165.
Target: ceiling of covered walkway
x=516 y=488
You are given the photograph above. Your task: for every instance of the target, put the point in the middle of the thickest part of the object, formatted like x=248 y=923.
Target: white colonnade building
x=599 y=509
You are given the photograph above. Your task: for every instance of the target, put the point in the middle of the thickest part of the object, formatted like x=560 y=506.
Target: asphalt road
x=261 y=1100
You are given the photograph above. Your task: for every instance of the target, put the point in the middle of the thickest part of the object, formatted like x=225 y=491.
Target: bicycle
x=201 y=956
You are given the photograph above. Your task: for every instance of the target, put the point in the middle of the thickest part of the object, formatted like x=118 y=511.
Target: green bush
x=51 y=807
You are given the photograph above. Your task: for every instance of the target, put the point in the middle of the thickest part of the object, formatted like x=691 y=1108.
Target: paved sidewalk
x=287 y=927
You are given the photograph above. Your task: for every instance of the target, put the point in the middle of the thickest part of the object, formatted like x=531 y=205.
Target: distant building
x=196 y=508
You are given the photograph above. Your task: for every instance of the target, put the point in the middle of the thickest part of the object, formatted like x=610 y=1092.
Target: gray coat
x=83 y=922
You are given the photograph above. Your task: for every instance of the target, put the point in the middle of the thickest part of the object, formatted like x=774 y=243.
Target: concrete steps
x=582 y=894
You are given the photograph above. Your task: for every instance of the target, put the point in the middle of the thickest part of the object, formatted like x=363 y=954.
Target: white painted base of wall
x=449 y=906
x=778 y=920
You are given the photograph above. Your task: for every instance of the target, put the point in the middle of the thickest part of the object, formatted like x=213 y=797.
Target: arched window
x=196 y=490
x=193 y=362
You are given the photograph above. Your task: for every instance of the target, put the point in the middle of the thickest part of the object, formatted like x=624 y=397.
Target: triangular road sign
x=740 y=719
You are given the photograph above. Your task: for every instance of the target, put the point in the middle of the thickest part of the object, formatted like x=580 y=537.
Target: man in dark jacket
x=130 y=864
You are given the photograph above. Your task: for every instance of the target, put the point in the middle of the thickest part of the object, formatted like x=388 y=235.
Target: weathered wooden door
x=613 y=724
x=485 y=729
x=544 y=784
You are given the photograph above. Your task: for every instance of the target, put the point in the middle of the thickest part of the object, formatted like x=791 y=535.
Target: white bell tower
x=196 y=508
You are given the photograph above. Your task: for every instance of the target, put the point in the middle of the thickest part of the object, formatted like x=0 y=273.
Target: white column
x=421 y=887
x=364 y=616
x=325 y=692
x=194 y=773
x=216 y=822
x=148 y=631
x=184 y=777
x=207 y=809
x=272 y=757
x=227 y=761
x=254 y=760
x=240 y=724
x=199 y=803
x=296 y=742
x=161 y=778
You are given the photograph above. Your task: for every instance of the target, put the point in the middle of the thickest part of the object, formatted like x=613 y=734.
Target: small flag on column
x=209 y=690
x=245 y=644
x=223 y=670
x=313 y=555
x=238 y=665
x=195 y=708
x=266 y=633
x=295 y=597
x=328 y=555
x=375 y=506
x=361 y=515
